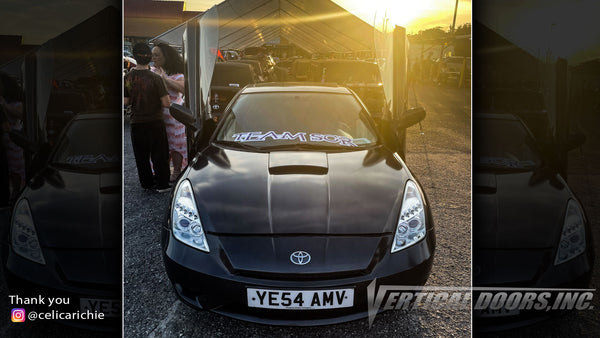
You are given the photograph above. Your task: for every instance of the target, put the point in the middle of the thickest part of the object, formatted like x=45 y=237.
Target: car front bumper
x=205 y=281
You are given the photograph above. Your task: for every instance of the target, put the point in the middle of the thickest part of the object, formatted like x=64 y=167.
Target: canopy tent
x=316 y=26
x=174 y=36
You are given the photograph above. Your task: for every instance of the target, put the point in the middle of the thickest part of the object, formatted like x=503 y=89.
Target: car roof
x=296 y=87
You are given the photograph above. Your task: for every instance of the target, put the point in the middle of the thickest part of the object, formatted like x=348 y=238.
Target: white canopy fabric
x=317 y=26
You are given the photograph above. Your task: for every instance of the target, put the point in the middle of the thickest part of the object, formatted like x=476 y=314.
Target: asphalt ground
x=439 y=156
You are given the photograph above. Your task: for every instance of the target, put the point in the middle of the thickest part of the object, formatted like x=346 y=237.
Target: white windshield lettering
x=289 y=136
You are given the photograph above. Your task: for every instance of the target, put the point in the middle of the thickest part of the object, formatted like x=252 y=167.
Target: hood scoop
x=298 y=162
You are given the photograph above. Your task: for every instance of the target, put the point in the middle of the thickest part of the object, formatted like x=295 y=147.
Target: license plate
x=300 y=300
x=486 y=313
x=110 y=307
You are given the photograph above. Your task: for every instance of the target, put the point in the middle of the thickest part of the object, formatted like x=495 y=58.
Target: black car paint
x=77 y=216
x=516 y=232
x=259 y=207
x=518 y=216
x=332 y=203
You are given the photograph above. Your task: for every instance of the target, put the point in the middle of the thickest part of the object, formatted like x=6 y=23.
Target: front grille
x=301 y=276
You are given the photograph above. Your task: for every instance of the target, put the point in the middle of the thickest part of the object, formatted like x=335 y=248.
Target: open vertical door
x=200 y=46
x=391 y=48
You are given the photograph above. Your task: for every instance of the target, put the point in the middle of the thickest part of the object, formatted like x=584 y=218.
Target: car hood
x=288 y=192
x=76 y=210
x=518 y=210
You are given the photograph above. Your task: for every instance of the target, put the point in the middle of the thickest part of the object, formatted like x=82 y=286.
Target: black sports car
x=65 y=231
x=296 y=205
x=529 y=229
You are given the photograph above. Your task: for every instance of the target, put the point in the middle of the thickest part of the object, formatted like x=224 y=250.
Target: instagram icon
x=17 y=315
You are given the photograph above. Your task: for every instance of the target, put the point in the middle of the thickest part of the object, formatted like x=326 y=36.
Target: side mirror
x=183 y=115
x=411 y=117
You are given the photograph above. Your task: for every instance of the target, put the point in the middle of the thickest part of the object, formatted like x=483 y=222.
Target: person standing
x=148 y=96
x=169 y=65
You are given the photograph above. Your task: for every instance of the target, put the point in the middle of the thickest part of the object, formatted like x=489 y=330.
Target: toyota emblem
x=300 y=257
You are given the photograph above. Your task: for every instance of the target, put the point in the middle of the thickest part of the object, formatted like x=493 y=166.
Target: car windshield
x=90 y=144
x=504 y=144
x=297 y=120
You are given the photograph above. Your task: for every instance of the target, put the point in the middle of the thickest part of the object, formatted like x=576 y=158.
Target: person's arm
x=125 y=101
x=165 y=101
x=176 y=85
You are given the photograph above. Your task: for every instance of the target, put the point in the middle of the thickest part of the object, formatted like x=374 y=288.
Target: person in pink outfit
x=169 y=65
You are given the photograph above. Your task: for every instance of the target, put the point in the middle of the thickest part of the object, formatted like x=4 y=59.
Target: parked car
x=266 y=65
x=298 y=196
x=256 y=69
x=230 y=55
x=529 y=228
x=228 y=78
x=300 y=69
x=450 y=69
x=65 y=231
x=360 y=76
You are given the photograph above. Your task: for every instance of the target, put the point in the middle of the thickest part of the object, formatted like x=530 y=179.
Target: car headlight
x=24 y=238
x=572 y=238
x=411 y=223
x=185 y=219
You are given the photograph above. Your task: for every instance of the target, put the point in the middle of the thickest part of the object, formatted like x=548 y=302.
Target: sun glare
x=404 y=13
x=413 y=15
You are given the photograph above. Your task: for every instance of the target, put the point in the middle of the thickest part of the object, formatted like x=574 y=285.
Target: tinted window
x=300 y=118
x=90 y=144
x=504 y=144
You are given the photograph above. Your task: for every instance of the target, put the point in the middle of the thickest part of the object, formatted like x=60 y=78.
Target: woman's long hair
x=173 y=61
